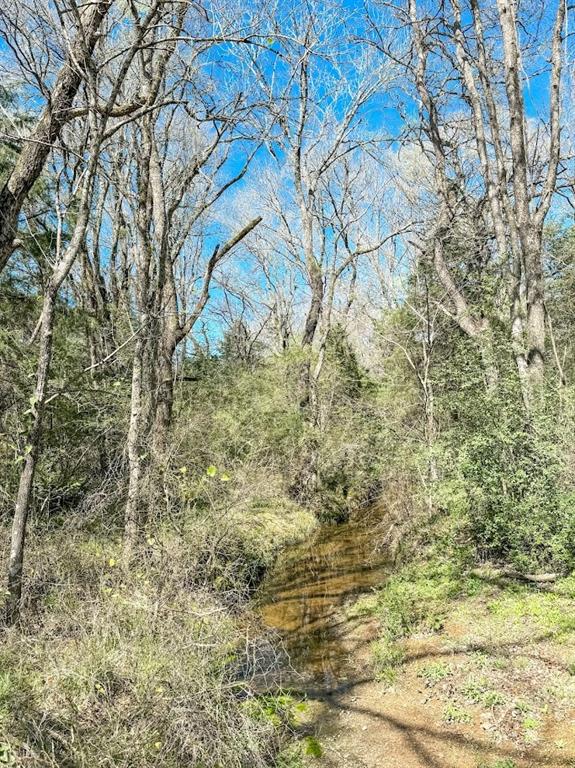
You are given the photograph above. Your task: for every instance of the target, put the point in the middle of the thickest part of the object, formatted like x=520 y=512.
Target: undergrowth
x=124 y=667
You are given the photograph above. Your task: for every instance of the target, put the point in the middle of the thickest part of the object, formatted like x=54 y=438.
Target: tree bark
x=164 y=400
x=135 y=450
x=32 y=452
x=529 y=223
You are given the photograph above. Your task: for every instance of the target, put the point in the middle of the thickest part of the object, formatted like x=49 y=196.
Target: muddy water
x=304 y=598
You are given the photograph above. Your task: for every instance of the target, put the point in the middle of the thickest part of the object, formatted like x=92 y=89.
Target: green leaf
x=225 y=478
x=6 y=754
x=211 y=471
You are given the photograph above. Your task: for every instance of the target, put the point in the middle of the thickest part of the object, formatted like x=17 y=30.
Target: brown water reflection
x=304 y=595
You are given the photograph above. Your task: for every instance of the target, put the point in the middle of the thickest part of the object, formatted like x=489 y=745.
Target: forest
x=287 y=383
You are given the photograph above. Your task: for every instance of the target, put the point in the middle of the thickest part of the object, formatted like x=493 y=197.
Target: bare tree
x=79 y=182
x=488 y=155
x=79 y=42
x=183 y=163
x=317 y=105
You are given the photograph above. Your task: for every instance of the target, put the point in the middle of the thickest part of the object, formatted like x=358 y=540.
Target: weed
x=478 y=691
x=492 y=699
x=475 y=690
x=454 y=714
x=388 y=656
x=522 y=707
x=435 y=672
x=277 y=710
x=530 y=725
x=6 y=754
x=312 y=747
x=290 y=757
x=293 y=756
x=364 y=606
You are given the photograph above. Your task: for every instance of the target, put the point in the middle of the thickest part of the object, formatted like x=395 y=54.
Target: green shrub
x=508 y=474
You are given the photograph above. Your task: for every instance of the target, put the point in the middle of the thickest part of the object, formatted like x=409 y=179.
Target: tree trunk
x=311 y=324
x=430 y=439
x=164 y=401
x=32 y=451
x=135 y=449
x=528 y=333
x=535 y=325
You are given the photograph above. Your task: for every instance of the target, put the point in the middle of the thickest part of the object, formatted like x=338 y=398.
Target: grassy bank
x=124 y=667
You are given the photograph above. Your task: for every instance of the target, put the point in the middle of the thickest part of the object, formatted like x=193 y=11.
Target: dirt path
x=413 y=724
x=365 y=729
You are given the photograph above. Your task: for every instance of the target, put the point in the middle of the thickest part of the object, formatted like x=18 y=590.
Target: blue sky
x=382 y=115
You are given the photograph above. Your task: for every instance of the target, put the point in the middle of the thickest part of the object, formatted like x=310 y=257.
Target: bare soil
x=479 y=694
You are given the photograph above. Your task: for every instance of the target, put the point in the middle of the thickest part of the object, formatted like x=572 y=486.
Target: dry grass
x=135 y=668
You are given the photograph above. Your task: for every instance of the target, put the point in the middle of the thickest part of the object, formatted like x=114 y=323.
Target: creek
x=305 y=596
